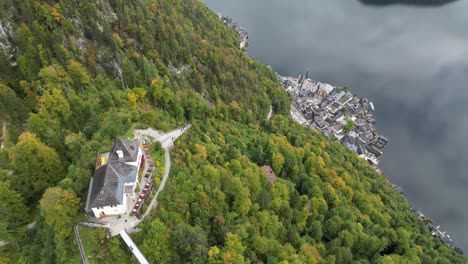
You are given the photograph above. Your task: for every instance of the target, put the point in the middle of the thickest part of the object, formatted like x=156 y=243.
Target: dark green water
x=410 y=57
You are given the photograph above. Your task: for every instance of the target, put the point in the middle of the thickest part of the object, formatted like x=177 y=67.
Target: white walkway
x=133 y=247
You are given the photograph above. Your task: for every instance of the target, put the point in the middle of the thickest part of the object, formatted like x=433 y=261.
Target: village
x=339 y=114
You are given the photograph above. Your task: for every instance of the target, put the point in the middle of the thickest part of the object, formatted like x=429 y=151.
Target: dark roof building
x=361 y=149
x=124 y=151
x=108 y=184
x=374 y=150
x=112 y=177
x=383 y=139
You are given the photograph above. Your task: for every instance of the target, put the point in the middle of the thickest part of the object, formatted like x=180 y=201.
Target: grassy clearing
x=92 y=240
x=130 y=135
x=100 y=249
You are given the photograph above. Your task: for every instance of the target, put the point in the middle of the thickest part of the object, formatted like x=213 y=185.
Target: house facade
x=115 y=179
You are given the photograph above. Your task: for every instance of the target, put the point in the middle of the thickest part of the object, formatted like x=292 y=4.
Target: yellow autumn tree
x=132 y=98
x=277 y=162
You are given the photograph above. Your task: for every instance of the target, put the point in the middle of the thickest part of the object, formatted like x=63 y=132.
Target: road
x=167 y=142
x=270 y=113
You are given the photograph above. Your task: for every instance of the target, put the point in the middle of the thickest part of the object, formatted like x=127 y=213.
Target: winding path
x=167 y=142
x=3 y=136
x=270 y=113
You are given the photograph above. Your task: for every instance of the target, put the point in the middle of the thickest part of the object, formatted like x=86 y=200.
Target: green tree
x=78 y=73
x=13 y=212
x=35 y=167
x=58 y=207
x=156 y=245
x=348 y=126
x=11 y=107
x=277 y=162
x=233 y=250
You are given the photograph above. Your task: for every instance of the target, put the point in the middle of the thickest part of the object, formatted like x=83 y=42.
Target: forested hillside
x=75 y=75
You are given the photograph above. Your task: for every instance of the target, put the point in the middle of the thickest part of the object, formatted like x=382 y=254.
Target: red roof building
x=271 y=175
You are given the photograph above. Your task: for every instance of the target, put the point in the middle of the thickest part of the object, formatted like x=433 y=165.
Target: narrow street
x=297 y=116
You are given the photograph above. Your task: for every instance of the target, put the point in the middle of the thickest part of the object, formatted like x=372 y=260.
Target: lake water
x=410 y=60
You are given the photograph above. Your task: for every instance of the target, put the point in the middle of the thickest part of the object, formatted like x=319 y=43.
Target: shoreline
x=311 y=89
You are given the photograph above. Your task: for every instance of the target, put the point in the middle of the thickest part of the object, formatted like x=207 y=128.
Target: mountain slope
x=76 y=75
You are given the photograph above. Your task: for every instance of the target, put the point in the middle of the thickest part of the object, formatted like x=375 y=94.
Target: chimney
x=120 y=154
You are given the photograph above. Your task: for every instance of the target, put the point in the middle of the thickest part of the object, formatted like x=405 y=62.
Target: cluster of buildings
x=436 y=231
x=243 y=34
x=337 y=113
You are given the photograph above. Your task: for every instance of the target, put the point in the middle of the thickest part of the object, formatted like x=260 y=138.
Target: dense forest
x=75 y=75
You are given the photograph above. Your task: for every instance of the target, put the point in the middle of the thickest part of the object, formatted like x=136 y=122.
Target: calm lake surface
x=410 y=60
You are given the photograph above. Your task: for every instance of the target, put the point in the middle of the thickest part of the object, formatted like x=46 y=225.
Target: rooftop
x=107 y=184
x=271 y=175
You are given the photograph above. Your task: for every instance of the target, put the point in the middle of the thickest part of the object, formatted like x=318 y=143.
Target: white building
x=310 y=85
x=325 y=89
x=115 y=179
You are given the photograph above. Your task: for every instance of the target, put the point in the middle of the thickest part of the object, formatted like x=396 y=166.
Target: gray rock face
x=6 y=33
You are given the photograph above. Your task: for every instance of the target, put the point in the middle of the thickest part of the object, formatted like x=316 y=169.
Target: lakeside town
x=336 y=112
x=339 y=114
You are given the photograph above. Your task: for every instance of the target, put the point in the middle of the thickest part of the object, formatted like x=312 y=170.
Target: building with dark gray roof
x=114 y=180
